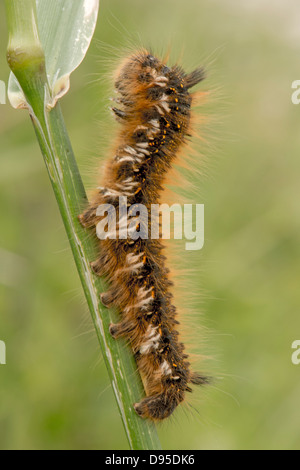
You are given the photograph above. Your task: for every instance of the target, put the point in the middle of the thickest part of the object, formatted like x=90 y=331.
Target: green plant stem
x=27 y=61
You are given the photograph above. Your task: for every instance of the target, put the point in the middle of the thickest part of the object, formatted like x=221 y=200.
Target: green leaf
x=65 y=28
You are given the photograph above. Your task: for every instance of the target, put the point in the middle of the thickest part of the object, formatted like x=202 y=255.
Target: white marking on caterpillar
x=144 y=292
x=140 y=128
x=142 y=305
x=152 y=133
x=125 y=189
x=152 y=71
x=131 y=258
x=150 y=332
x=127 y=184
x=158 y=83
x=126 y=159
x=165 y=106
x=155 y=123
x=152 y=340
x=141 y=156
x=144 y=151
x=136 y=267
x=128 y=180
x=165 y=368
x=159 y=109
x=114 y=194
x=162 y=79
x=135 y=155
x=142 y=145
x=109 y=192
x=130 y=150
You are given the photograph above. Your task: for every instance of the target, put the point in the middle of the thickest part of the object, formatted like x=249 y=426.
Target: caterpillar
x=154 y=109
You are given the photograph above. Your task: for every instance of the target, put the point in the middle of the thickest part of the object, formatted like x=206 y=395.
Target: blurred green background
x=54 y=390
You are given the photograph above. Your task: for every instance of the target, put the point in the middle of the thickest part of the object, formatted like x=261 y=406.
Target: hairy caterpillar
x=155 y=107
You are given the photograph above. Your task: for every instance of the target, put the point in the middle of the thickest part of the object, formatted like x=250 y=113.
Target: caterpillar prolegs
x=154 y=106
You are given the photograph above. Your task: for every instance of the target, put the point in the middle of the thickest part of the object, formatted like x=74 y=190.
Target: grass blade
x=27 y=62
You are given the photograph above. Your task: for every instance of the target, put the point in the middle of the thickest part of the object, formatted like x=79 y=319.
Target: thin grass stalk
x=26 y=59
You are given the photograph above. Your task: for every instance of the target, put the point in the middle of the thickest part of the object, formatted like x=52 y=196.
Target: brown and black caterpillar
x=155 y=112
